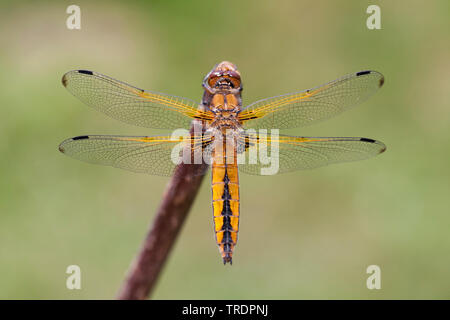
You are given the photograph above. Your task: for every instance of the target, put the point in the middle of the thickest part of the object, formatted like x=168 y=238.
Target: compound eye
x=220 y=78
x=236 y=82
x=223 y=79
x=212 y=80
x=234 y=77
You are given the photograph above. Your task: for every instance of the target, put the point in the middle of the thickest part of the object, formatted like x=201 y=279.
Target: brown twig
x=177 y=201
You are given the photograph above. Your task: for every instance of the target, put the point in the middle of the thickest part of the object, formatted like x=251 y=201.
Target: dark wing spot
x=367 y=140
x=64 y=80
x=85 y=72
x=61 y=149
x=361 y=73
x=381 y=82
x=80 y=138
x=374 y=141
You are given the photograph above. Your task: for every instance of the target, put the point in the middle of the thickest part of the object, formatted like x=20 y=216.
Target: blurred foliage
x=308 y=234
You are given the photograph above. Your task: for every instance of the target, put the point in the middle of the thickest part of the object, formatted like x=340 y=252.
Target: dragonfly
x=229 y=133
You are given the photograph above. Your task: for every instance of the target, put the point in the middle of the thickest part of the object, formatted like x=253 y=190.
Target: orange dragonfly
x=228 y=138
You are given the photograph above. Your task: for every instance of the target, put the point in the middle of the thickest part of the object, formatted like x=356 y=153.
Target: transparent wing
x=299 y=153
x=130 y=104
x=312 y=105
x=155 y=155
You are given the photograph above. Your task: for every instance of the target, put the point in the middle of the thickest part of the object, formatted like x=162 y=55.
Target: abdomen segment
x=225 y=200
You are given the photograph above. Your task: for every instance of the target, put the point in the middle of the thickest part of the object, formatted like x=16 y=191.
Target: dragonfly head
x=224 y=77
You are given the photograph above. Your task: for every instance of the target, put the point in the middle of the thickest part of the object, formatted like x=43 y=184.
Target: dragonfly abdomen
x=225 y=199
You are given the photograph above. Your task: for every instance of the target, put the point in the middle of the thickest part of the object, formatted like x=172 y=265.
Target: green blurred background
x=304 y=235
